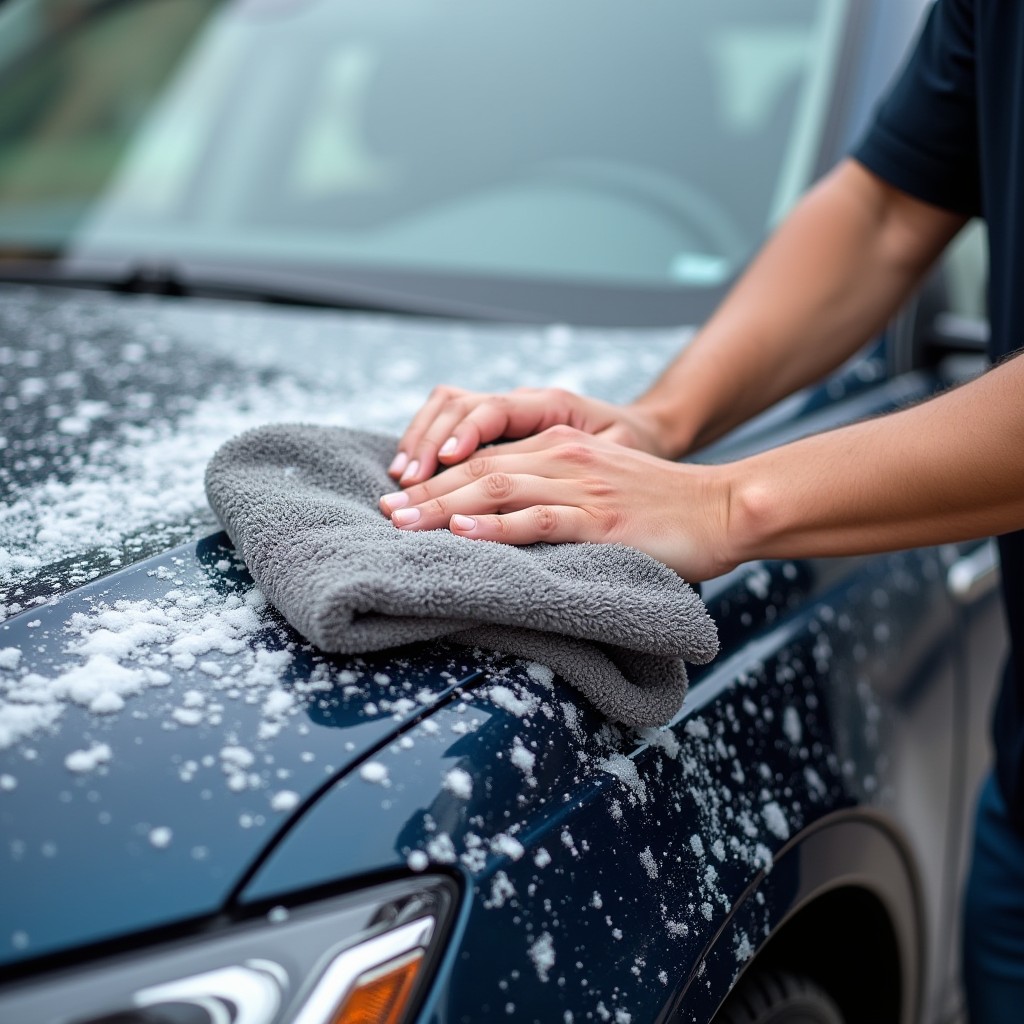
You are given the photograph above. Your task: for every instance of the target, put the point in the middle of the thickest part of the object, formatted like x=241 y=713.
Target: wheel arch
x=866 y=939
x=842 y=905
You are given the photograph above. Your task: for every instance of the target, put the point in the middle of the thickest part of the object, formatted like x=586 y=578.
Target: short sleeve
x=924 y=139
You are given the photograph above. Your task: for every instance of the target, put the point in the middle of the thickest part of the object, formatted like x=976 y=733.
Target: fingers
x=406 y=461
x=560 y=452
x=549 y=524
x=423 y=461
x=551 y=487
x=565 y=485
x=494 y=418
x=454 y=423
x=465 y=423
x=493 y=493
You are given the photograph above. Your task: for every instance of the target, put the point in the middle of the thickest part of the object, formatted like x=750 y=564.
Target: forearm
x=834 y=272
x=946 y=470
x=949 y=469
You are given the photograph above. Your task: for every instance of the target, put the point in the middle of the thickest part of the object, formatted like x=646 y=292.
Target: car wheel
x=774 y=997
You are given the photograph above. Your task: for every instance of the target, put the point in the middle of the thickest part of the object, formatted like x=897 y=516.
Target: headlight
x=364 y=958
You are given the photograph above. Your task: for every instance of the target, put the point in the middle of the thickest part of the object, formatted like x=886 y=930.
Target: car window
x=70 y=112
x=584 y=141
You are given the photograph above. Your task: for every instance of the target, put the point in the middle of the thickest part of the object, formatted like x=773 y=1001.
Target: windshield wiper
x=251 y=284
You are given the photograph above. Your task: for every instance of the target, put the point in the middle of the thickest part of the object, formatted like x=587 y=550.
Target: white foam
x=284 y=800
x=509 y=846
x=459 y=782
x=160 y=837
x=81 y=761
x=650 y=865
x=374 y=771
x=542 y=952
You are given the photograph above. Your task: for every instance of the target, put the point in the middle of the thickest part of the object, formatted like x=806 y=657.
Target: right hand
x=565 y=486
x=454 y=423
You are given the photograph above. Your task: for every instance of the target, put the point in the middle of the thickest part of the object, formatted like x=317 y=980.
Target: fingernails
x=464 y=523
x=448 y=448
x=406 y=516
x=397 y=500
x=411 y=470
x=398 y=464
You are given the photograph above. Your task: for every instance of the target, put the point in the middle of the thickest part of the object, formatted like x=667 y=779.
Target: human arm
x=833 y=273
x=948 y=469
x=945 y=470
x=831 y=276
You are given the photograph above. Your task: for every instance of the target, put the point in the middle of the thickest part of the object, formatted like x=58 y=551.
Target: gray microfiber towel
x=300 y=504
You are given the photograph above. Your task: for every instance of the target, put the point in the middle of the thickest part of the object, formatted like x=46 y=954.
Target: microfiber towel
x=300 y=504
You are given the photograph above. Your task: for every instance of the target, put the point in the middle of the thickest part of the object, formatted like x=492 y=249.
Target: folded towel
x=300 y=504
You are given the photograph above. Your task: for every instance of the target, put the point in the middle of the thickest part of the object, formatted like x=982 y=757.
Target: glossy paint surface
x=833 y=689
x=225 y=767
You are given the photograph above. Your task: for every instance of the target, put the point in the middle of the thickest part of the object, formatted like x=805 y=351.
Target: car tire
x=776 y=997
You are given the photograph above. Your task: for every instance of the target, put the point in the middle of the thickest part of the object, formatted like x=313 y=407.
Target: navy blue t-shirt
x=951 y=132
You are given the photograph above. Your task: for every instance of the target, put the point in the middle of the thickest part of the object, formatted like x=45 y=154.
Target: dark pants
x=993 y=950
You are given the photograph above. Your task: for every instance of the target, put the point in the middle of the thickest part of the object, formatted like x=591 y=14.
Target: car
x=215 y=215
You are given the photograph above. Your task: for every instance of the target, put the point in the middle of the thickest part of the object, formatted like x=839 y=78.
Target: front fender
x=857 y=851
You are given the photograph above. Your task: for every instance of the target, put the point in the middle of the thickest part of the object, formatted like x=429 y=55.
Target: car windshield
x=583 y=144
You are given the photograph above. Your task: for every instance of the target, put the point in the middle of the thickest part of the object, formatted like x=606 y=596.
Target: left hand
x=454 y=423
x=567 y=485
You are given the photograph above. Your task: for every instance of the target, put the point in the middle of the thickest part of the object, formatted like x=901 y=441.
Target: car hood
x=111 y=405
x=161 y=728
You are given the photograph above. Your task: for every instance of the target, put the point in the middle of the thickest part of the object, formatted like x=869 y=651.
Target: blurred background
x=586 y=143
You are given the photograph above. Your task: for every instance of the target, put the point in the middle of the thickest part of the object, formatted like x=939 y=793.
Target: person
x=946 y=144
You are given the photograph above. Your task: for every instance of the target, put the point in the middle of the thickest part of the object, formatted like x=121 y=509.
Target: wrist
x=708 y=541
x=665 y=425
x=754 y=512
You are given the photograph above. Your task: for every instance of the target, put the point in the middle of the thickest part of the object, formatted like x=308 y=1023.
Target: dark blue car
x=220 y=214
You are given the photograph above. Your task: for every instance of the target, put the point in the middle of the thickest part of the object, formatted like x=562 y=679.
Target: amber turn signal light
x=380 y=996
